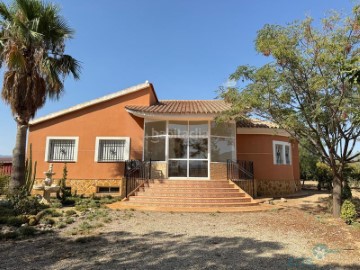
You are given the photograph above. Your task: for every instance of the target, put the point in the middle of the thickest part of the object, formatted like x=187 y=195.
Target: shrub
x=48 y=220
x=52 y=212
x=84 y=204
x=348 y=212
x=4 y=183
x=323 y=175
x=68 y=202
x=27 y=231
x=69 y=220
x=85 y=227
x=346 y=192
x=25 y=205
x=6 y=210
x=70 y=212
x=61 y=225
x=16 y=221
x=9 y=235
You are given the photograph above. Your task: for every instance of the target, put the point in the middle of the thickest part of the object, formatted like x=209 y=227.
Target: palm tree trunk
x=336 y=196
x=18 y=163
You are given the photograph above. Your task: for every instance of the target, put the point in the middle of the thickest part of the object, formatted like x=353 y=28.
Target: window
x=108 y=189
x=61 y=149
x=112 y=149
x=222 y=141
x=282 y=153
x=155 y=140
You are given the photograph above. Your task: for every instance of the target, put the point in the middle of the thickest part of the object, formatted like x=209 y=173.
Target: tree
x=304 y=90
x=32 y=50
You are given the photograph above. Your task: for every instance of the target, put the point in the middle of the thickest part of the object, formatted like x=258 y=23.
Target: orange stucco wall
x=104 y=119
x=259 y=149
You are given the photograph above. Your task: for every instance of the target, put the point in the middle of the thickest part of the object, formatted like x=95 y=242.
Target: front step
x=179 y=186
x=209 y=194
x=192 y=193
x=175 y=199
x=193 y=205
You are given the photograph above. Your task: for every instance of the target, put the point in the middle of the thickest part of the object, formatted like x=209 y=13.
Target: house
x=180 y=137
x=5 y=165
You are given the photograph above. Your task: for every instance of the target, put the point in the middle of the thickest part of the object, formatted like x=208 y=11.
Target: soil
x=298 y=235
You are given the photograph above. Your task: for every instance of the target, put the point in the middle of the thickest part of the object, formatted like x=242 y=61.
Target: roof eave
x=172 y=116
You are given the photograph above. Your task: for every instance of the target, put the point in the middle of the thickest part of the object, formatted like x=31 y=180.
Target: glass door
x=188 y=149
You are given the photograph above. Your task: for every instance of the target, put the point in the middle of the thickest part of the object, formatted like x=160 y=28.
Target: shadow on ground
x=156 y=250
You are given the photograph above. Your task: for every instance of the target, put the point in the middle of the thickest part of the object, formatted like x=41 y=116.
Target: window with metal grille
x=112 y=149
x=62 y=150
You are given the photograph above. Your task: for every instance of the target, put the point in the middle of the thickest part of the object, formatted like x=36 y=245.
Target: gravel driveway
x=281 y=239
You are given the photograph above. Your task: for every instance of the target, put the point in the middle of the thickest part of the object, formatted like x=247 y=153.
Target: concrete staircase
x=213 y=195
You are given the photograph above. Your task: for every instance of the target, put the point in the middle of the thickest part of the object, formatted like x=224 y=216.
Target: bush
x=61 y=225
x=9 y=235
x=83 y=204
x=27 y=231
x=69 y=220
x=52 y=212
x=4 y=183
x=346 y=192
x=323 y=175
x=48 y=221
x=70 y=213
x=16 y=221
x=68 y=202
x=25 y=205
x=348 y=212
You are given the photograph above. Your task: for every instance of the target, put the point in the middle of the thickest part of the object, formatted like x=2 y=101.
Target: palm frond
x=52 y=74
x=69 y=65
x=30 y=9
x=15 y=58
x=5 y=12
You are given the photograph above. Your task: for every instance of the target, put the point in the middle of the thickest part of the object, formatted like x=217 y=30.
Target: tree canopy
x=304 y=87
x=32 y=52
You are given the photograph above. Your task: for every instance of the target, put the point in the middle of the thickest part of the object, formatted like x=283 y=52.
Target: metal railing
x=241 y=172
x=137 y=173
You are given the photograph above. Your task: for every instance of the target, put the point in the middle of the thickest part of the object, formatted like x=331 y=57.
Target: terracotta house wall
x=271 y=179
x=108 y=118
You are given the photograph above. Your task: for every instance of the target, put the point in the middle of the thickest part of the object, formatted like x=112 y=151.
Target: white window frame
x=283 y=152
x=126 y=149
x=47 y=148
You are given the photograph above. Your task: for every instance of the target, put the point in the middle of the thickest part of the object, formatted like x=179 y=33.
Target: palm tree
x=32 y=51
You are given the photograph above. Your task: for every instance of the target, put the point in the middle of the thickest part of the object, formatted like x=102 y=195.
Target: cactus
x=63 y=193
x=30 y=173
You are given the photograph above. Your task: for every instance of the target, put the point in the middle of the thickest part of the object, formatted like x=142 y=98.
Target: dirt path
x=292 y=238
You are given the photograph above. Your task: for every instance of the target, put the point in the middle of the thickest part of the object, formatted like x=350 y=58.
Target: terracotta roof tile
x=183 y=107
x=5 y=160
x=255 y=123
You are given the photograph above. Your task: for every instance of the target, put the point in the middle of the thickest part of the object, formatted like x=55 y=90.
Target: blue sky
x=186 y=48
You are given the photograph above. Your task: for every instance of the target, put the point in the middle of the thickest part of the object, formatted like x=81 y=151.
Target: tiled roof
x=183 y=107
x=5 y=160
x=197 y=107
x=255 y=123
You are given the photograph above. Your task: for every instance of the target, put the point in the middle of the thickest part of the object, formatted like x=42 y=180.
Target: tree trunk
x=18 y=161
x=336 y=196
